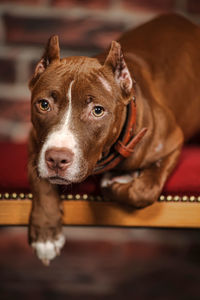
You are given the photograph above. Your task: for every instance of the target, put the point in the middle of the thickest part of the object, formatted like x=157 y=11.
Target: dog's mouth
x=58 y=180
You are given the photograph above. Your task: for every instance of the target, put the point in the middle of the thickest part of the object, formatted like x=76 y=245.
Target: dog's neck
x=125 y=144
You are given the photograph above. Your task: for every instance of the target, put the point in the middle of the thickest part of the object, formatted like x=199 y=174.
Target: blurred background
x=96 y=263
x=84 y=27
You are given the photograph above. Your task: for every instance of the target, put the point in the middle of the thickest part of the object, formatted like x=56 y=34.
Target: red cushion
x=13 y=172
x=186 y=177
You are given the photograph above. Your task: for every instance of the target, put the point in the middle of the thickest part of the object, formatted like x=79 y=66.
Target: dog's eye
x=98 y=111
x=44 y=105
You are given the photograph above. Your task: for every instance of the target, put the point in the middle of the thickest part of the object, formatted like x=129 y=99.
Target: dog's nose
x=58 y=158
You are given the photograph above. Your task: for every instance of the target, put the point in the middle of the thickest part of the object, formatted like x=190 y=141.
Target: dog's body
x=79 y=107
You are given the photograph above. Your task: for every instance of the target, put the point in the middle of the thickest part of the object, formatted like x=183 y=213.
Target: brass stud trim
x=162 y=198
x=99 y=198
x=69 y=197
x=7 y=196
x=185 y=198
x=177 y=198
x=192 y=198
x=14 y=196
x=91 y=198
x=85 y=196
x=169 y=198
x=30 y=196
x=21 y=195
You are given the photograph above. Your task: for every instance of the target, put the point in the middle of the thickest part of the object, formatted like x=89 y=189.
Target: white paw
x=49 y=249
x=108 y=179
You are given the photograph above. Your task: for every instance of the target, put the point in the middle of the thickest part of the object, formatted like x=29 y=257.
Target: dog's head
x=78 y=110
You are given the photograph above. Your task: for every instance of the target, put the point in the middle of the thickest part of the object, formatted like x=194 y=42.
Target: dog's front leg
x=45 y=228
x=144 y=189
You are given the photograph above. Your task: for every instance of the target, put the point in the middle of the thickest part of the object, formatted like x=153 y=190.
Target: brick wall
x=84 y=27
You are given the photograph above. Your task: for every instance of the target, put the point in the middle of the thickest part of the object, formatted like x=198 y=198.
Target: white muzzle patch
x=62 y=137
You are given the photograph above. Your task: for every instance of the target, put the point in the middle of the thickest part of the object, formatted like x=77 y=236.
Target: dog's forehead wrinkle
x=91 y=83
x=80 y=64
x=50 y=81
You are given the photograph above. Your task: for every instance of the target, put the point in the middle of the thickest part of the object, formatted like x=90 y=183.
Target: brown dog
x=79 y=111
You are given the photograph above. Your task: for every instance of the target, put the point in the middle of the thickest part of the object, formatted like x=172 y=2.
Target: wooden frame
x=168 y=212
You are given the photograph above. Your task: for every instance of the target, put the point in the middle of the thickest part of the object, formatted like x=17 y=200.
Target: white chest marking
x=159 y=147
x=109 y=178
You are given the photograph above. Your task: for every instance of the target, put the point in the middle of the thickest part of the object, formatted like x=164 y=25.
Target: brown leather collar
x=126 y=143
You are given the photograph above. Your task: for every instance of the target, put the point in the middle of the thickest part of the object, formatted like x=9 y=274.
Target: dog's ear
x=51 y=54
x=122 y=76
